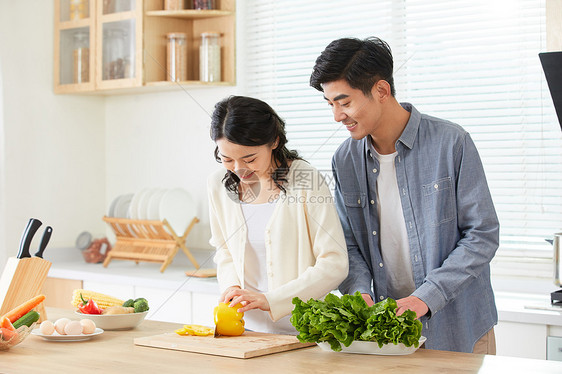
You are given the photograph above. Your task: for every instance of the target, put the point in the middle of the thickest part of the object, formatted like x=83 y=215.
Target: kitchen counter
x=114 y=352
x=527 y=308
x=67 y=263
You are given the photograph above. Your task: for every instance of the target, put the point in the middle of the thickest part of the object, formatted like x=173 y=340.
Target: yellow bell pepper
x=196 y=330
x=227 y=320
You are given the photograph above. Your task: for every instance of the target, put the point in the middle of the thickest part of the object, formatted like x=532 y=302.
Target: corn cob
x=101 y=299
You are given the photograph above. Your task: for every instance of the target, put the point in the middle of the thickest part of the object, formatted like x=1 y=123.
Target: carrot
x=19 y=311
x=7 y=334
x=6 y=324
x=7 y=329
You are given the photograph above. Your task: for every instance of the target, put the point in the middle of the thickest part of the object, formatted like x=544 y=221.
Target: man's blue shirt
x=452 y=226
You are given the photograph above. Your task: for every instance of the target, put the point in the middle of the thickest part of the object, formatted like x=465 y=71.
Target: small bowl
x=23 y=332
x=115 y=321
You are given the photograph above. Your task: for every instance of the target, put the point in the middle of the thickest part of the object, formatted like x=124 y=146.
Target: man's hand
x=368 y=299
x=250 y=299
x=412 y=303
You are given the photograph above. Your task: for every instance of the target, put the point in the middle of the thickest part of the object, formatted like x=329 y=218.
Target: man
x=413 y=200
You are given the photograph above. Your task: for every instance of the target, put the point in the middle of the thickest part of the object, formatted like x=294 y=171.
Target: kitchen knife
x=44 y=241
x=27 y=236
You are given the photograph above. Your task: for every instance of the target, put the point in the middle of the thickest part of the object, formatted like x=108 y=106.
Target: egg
x=47 y=328
x=60 y=324
x=88 y=326
x=73 y=328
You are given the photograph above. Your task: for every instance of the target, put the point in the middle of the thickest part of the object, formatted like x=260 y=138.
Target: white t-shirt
x=255 y=271
x=394 y=246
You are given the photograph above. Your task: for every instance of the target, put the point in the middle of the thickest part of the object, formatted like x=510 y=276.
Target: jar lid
x=181 y=35
x=211 y=33
x=84 y=240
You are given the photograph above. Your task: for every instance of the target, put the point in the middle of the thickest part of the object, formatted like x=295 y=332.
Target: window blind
x=472 y=62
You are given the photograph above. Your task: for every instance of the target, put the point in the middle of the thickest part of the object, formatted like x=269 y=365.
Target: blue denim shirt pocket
x=354 y=204
x=438 y=198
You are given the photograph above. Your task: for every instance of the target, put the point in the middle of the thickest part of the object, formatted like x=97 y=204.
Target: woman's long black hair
x=251 y=122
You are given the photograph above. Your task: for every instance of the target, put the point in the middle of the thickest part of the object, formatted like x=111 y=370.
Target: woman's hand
x=222 y=298
x=250 y=299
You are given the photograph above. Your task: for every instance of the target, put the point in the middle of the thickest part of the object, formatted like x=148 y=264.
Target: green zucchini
x=27 y=319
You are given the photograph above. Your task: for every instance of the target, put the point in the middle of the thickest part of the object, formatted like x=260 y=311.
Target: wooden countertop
x=114 y=352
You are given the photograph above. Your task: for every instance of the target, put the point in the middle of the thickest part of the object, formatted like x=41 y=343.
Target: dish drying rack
x=150 y=241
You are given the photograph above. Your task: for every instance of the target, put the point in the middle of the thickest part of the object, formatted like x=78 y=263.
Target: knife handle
x=32 y=227
x=44 y=241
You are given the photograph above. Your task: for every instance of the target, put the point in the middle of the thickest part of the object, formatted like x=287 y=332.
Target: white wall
x=54 y=146
x=2 y=233
x=66 y=157
x=162 y=140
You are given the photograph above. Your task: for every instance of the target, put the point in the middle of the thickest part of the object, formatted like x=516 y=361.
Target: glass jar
x=177 y=56
x=210 y=57
x=174 y=4
x=81 y=57
x=203 y=4
x=115 y=60
x=116 y=6
x=78 y=9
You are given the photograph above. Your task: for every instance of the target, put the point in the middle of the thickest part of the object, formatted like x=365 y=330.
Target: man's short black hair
x=361 y=63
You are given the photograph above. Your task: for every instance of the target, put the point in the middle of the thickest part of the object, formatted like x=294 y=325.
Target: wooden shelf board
x=188 y=13
x=68 y=25
x=150 y=87
x=179 y=85
x=116 y=17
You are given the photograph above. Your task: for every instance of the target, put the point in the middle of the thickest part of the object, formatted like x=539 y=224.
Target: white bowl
x=372 y=348
x=115 y=321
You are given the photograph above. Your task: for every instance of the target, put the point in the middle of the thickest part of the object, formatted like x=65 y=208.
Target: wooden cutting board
x=248 y=345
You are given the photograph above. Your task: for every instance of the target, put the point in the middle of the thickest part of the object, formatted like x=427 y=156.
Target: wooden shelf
x=189 y=13
x=68 y=25
x=187 y=83
x=116 y=17
x=149 y=24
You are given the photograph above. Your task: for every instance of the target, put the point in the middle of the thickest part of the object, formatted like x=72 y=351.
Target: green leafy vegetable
x=342 y=320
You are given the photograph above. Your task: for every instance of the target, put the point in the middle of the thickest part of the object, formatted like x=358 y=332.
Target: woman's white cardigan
x=306 y=253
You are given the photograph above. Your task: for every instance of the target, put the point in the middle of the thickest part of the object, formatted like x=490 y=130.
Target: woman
x=272 y=218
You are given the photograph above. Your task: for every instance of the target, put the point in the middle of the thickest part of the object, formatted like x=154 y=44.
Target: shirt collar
x=407 y=137
x=410 y=132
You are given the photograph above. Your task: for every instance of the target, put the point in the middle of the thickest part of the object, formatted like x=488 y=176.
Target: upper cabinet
x=134 y=46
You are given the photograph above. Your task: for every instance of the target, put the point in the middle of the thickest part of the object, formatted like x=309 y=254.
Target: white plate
x=115 y=321
x=372 y=348
x=67 y=338
x=153 y=209
x=134 y=206
x=122 y=206
x=142 y=208
x=111 y=212
x=178 y=208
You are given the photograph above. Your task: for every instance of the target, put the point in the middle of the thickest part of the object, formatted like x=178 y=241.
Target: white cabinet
x=202 y=308
x=521 y=340
x=166 y=304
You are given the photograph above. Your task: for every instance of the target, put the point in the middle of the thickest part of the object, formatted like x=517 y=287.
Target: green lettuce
x=341 y=320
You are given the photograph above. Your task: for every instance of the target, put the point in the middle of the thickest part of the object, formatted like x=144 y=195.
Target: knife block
x=21 y=280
